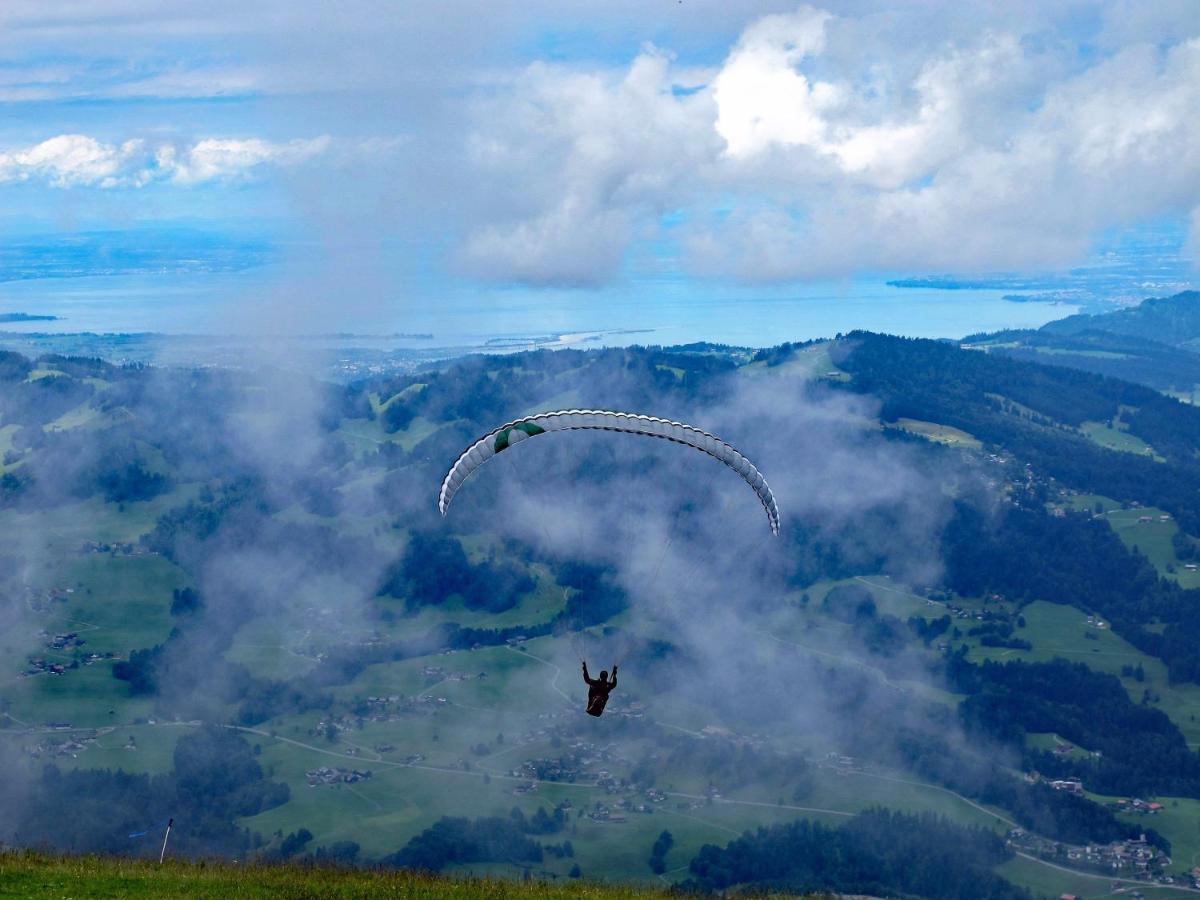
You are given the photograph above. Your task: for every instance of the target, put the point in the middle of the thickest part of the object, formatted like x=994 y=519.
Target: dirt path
x=545 y=662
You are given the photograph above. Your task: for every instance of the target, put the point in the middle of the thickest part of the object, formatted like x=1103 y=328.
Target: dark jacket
x=598 y=691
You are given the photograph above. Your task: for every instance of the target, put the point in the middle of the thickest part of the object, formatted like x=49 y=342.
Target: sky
x=419 y=147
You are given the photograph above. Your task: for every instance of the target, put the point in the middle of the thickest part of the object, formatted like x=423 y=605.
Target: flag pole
x=170 y=822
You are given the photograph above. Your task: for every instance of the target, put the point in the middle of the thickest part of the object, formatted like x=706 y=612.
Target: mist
x=290 y=534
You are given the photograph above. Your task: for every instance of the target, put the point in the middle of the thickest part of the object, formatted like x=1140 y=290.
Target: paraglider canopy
x=504 y=437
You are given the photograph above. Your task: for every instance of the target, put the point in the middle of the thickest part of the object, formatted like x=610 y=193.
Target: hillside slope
x=1154 y=344
x=1171 y=320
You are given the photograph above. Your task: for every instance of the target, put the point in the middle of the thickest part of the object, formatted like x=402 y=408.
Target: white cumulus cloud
x=761 y=95
x=215 y=158
x=69 y=160
x=78 y=160
x=800 y=155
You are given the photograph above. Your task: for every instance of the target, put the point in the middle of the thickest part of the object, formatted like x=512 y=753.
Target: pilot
x=598 y=690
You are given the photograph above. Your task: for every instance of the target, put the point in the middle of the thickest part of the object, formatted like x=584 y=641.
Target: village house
x=327 y=775
x=1071 y=785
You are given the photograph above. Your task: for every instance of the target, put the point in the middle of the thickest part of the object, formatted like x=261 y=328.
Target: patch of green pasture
x=382 y=813
x=516 y=681
x=87 y=697
x=1179 y=822
x=268 y=660
x=1047 y=881
x=1087 y=502
x=399 y=802
x=120 y=603
x=938 y=434
x=1152 y=538
x=82 y=415
x=155 y=753
x=858 y=791
x=807 y=362
x=62 y=530
x=1048 y=741
x=380 y=404
x=117 y=604
x=1116 y=439
x=41 y=372
x=367 y=434
x=419 y=429
x=402 y=678
x=611 y=851
x=1094 y=354
x=894 y=598
x=1057 y=630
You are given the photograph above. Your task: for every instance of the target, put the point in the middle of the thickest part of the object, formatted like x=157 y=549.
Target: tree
x=659 y=852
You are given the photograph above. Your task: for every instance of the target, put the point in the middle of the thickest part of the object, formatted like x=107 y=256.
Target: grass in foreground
x=29 y=874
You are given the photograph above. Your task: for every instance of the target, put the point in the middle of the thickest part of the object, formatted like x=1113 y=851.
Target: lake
x=266 y=301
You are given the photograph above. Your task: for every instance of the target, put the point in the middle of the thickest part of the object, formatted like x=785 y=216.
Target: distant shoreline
x=340 y=356
x=27 y=317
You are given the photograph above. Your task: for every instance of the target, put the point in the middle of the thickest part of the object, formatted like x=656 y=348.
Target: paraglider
x=504 y=437
x=599 y=689
x=500 y=439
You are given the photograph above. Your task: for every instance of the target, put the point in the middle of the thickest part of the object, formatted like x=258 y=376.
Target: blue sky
x=553 y=146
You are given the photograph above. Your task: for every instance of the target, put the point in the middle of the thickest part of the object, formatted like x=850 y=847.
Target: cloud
x=762 y=98
x=73 y=159
x=216 y=158
x=755 y=142
x=571 y=161
x=77 y=160
x=801 y=157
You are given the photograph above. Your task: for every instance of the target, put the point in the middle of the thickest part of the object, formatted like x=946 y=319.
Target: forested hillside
x=1169 y=320
x=1153 y=343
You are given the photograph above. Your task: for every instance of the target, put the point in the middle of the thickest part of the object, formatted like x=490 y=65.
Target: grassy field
x=59 y=532
x=1152 y=538
x=1057 y=630
x=366 y=435
x=1116 y=439
x=36 y=875
x=1048 y=881
x=809 y=362
x=939 y=434
x=1179 y=818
